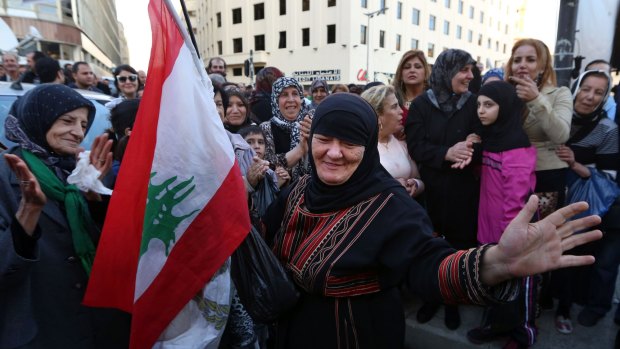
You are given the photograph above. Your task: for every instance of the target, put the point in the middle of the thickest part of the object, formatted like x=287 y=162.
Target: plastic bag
x=598 y=191
x=265 y=289
x=266 y=191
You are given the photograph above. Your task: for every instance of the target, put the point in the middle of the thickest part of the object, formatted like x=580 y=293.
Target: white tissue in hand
x=86 y=177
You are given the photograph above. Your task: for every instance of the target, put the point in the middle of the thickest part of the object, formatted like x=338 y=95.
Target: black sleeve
x=420 y=147
x=23 y=243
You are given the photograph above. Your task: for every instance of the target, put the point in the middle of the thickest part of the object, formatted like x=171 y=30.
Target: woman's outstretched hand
x=33 y=199
x=531 y=248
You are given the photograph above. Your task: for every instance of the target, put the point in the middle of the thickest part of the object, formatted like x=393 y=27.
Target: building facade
x=72 y=30
x=349 y=41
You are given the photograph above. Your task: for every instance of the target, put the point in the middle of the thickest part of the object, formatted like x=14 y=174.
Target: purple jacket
x=507 y=180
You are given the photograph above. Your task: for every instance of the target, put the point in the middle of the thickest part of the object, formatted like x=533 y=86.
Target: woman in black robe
x=437 y=128
x=350 y=235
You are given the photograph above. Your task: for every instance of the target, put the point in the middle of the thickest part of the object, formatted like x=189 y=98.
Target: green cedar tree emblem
x=159 y=222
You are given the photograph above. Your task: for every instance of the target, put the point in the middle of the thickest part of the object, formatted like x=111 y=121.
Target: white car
x=101 y=123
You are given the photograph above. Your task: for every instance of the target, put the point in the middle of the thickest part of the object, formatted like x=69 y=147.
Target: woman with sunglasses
x=127 y=82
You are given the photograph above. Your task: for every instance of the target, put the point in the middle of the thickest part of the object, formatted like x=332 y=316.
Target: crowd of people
x=446 y=183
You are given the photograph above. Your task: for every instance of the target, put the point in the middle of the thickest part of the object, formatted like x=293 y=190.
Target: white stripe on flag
x=186 y=147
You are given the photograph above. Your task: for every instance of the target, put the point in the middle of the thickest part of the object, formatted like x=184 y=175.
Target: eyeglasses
x=123 y=79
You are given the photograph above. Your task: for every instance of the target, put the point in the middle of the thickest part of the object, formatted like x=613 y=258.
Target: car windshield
x=100 y=125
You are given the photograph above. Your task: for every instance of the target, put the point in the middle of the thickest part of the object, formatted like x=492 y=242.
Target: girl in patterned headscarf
x=285 y=146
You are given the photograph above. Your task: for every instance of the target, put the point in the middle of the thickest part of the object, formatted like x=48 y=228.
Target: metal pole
x=565 y=44
x=368 y=48
x=252 y=68
x=370 y=15
x=189 y=27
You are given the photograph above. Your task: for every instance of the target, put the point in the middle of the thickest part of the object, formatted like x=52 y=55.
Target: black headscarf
x=506 y=132
x=446 y=66
x=350 y=118
x=31 y=117
x=582 y=125
x=40 y=107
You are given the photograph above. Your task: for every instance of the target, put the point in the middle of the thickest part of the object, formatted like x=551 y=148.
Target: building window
x=363 y=33
x=382 y=5
x=504 y=50
x=305 y=5
x=481 y=17
x=331 y=34
x=282 y=40
x=259 y=11
x=460 y=7
x=364 y=3
x=414 y=44
x=496 y=46
x=282 y=7
x=471 y=12
x=259 y=42
x=479 y=39
x=446 y=27
x=488 y=43
x=237 y=72
x=506 y=30
x=237 y=45
x=382 y=38
x=446 y=3
x=459 y=32
x=431 y=50
x=399 y=10
x=236 y=13
x=397 y=42
x=218 y=17
x=305 y=37
x=415 y=16
x=470 y=36
x=331 y=3
x=219 y=48
x=431 y=22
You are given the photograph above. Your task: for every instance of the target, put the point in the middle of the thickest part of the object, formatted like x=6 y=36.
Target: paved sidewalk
x=434 y=334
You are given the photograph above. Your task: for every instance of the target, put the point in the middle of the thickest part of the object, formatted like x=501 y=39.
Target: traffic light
x=246 y=67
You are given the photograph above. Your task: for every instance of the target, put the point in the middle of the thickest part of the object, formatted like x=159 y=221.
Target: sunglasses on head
x=132 y=78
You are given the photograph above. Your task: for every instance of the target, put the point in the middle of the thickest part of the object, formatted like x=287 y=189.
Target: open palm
x=531 y=248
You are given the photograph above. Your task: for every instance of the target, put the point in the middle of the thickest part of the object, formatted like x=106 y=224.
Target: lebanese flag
x=179 y=207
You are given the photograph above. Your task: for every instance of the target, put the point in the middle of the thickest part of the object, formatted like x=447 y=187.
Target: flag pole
x=189 y=27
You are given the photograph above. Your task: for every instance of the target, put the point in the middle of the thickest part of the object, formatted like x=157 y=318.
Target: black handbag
x=263 y=285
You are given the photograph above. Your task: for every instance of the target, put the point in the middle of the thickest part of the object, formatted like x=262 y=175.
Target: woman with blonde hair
x=340 y=88
x=549 y=110
x=393 y=152
x=411 y=78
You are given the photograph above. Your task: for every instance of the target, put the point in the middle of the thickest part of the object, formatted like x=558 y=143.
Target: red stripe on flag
x=190 y=264
x=113 y=277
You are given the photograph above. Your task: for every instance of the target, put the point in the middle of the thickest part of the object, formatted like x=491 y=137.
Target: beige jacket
x=548 y=125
